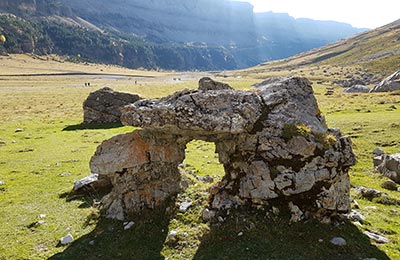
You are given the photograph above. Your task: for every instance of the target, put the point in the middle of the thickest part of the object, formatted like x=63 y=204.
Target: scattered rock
x=355 y=204
x=206 y=84
x=273 y=143
x=103 y=106
x=2 y=183
x=378 y=151
x=391 y=83
x=41 y=216
x=128 y=225
x=240 y=234
x=85 y=181
x=184 y=206
x=172 y=237
x=91 y=182
x=356 y=216
x=377 y=160
x=297 y=214
x=66 y=174
x=377 y=238
x=91 y=242
x=389 y=185
x=206 y=179
x=208 y=214
x=393 y=107
x=19 y=130
x=368 y=193
x=357 y=89
x=389 y=166
x=338 y=241
x=68 y=239
x=275 y=211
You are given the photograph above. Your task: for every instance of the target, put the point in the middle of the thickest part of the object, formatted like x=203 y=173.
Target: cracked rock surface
x=272 y=141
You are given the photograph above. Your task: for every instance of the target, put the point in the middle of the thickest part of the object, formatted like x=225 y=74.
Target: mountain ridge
x=173 y=34
x=377 y=50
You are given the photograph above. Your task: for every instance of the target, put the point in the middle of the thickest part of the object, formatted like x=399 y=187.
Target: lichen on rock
x=305 y=172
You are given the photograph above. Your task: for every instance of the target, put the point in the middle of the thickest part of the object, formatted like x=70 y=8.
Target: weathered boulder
x=391 y=83
x=207 y=83
x=357 y=89
x=389 y=166
x=273 y=143
x=103 y=105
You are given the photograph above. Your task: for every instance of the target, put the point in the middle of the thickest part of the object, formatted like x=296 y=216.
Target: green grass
x=33 y=164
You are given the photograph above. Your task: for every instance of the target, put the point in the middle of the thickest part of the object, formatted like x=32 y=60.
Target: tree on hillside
x=2 y=39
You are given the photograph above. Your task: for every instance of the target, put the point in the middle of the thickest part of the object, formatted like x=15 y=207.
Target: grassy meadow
x=44 y=149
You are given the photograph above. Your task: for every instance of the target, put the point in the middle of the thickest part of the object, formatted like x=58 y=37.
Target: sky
x=359 y=13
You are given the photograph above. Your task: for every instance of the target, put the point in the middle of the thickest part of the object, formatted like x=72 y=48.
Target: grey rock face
x=357 y=89
x=206 y=84
x=389 y=84
x=273 y=143
x=378 y=151
x=103 y=106
x=389 y=166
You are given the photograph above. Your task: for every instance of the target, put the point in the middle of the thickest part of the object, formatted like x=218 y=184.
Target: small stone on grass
x=128 y=225
x=68 y=239
x=338 y=241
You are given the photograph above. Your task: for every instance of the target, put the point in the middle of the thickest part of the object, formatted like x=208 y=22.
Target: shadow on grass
x=276 y=238
x=109 y=240
x=89 y=196
x=83 y=126
x=260 y=238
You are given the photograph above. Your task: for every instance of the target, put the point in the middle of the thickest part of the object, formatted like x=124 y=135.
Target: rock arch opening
x=202 y=162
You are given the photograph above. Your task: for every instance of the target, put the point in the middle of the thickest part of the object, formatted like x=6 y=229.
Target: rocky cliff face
x=213 y=22
x=173 y=34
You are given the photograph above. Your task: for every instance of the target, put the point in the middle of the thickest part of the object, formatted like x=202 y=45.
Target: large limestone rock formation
x=103 y=105
x=389 y=84
x=273 y=143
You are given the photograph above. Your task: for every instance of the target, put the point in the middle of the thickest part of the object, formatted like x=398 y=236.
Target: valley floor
x=44 y=149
